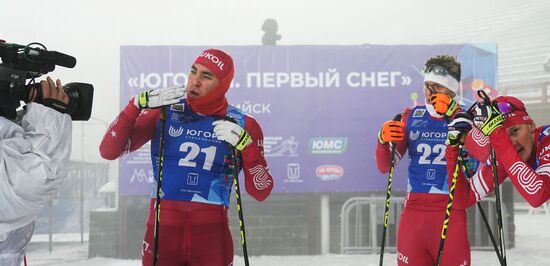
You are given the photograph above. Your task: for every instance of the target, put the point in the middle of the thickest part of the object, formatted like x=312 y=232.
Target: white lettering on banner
x=257 y=108
x=526 y=177
x=260 y=177
x=382 y=79
x=328 y=144
x=157 y=80
x=296 y=80
x=214 y=59
x=331 y=78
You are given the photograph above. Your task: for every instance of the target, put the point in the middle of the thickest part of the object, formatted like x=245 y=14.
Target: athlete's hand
x=231 y=133
x=391 y=131
x=487 y=117
x=443 y=104
x=459 y=128
x=159 y=97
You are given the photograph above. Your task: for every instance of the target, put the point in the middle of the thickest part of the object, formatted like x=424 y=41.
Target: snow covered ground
x=532 y=248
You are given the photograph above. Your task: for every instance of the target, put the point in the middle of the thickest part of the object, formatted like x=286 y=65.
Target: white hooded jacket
x=31 y=153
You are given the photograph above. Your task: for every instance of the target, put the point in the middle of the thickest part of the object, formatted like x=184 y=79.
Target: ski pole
x=159 y=185
x=388 y=196
x=487 y=101
x=448 y=209
x=499 y=209
x=484 y=217
x=235 y=169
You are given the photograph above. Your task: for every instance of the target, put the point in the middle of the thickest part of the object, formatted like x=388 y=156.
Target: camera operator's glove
x=232 y=133
x=459 y=128
x=443 y=104
x=391 y=131
x=159 y=97
x=487 y=117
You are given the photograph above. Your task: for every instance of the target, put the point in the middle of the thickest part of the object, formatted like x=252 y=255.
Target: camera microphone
x=54 y=57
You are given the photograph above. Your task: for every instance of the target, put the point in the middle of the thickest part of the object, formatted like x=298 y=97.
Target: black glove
x=56 y=105
x=458 y=128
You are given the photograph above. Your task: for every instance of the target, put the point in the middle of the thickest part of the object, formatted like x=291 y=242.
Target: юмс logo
x=328 y=145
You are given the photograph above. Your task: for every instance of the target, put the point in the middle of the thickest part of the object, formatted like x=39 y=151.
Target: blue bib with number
x=427 y=164
x=196 y=165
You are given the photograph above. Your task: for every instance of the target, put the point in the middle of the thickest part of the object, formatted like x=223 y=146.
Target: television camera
x=22 y=62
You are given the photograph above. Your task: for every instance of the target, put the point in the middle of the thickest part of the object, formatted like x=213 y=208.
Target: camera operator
x=33 y=148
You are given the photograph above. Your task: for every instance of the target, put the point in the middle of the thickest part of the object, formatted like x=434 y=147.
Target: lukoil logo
x=329 y=172
x=328 y=145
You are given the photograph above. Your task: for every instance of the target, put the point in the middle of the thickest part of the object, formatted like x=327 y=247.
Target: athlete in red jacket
x=199 y=134
x=423 y=132
x=522 y=152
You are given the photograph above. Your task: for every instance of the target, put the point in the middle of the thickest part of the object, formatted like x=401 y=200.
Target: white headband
x=448 y=81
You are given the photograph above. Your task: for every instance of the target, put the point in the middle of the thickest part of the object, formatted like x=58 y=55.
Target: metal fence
x=362 y=224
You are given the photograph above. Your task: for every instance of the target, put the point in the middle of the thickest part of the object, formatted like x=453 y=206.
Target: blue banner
x=320 y=107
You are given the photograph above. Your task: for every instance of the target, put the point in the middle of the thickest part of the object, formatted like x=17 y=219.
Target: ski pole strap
x=243 y=141
x=143 y=99
x=452 y=108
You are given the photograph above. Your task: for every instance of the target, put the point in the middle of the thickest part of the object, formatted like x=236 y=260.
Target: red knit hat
x=513 y=110
x=221 y=65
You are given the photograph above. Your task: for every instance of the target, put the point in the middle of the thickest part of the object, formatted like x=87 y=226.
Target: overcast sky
x=93 y=31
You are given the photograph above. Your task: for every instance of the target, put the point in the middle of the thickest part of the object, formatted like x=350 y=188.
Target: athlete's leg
x=211 y=239
x=457 y=247
x=411 y=241
x=171 y=251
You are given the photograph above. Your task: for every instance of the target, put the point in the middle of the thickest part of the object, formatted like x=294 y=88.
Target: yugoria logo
x=328 y=145
x=175 y=132
x=329 y=172
x=414 y=135
x=200 y=133
x=434 y=135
